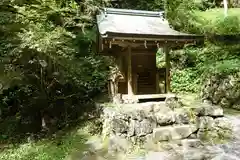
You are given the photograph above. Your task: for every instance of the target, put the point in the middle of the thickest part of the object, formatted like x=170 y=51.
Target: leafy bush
x=49 y=71
x=213 y=21
x=186 y=80
x=179 y=14
x=191 y=66
x=228 y=25
x=186 y=57
x=225 y=67
x=161 y=61
x=205 y=4
x=142 y=4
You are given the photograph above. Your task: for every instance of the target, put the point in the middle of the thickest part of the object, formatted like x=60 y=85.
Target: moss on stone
x=216 y=136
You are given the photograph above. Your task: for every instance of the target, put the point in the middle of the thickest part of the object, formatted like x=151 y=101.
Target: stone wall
x=154 y=122
x=223 y=90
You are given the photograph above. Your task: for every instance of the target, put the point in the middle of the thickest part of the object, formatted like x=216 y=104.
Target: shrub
x=186 y=80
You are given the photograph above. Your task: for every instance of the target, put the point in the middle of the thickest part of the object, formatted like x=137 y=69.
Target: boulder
x=119 y=126
x=184 y=131
x=145 y=127
x=194 y=154
x=212 y=151
x=193 y=136
x=161 y=107
x=114 y=113
x=236 y=105
x=139 y=112
x=205 y=122
x=223 y=90
x=209 y=110
x=118 y=144
x=133 y=124
x=222 y=123
x=203 y=134
x=107 y=128
x=181 y=116
x=157 y=156
x=201 y=153
x=225 y=102
x=95 y=144
x=191 y=143
x=221 y=129
x=149 y=138
x=108 y=112
x=173 y=102
x=165 y=118
x=148 y=107
x=162 y=156
x=173 y=132
x=217 y=96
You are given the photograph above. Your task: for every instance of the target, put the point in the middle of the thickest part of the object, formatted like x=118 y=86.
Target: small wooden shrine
x=133 y=38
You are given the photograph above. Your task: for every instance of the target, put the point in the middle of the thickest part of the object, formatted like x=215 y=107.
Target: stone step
x=173 y=132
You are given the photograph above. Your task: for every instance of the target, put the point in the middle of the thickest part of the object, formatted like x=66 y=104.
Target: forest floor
x=63 y=145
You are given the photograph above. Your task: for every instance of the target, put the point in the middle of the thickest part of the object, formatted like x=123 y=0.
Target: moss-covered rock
x=214 y=130
x=222 y=90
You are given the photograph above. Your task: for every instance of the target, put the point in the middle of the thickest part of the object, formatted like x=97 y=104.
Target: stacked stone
x=157 y=122
x=211 y=122
x=139 y=121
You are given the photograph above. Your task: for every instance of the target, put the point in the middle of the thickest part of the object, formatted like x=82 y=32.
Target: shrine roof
x=138 y=24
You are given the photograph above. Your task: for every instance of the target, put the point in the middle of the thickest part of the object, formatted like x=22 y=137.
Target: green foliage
x=179 y=13
x=193 y=65
x=224 y=67
x=205 y=4
x=150 y=5
x=66 y=145
x=213 y=21
x=48 y=67
x=229 y=25
x=192 y=16
x=160 y=56
x=186 y=80
x=185 y=58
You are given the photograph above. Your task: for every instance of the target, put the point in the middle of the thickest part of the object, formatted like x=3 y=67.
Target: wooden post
x=135 y=83
x=157 y=82
x=130 y=87
x=167 y=58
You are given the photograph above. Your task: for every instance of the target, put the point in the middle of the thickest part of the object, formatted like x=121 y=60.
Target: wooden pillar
x=130 y=87
x=157 y=82
x=135 y=77
x=167 y=58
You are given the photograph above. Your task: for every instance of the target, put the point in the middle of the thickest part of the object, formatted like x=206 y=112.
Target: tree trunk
x=225 y=3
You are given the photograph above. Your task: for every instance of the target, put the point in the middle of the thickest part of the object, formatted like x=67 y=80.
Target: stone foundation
x=155 y=122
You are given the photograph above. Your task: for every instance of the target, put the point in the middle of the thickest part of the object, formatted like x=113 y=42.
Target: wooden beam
x=144 y=44
x=142 y=53
x=130 y=87
x=168 y=85
x=157 y=38
x=140 y=44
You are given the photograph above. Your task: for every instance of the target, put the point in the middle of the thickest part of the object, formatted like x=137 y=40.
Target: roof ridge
x=133 y=12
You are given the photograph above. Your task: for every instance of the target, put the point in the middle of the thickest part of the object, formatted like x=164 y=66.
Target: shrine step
x=149 y=97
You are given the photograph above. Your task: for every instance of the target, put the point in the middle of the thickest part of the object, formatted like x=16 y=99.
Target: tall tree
x=225 y=3
x=47 y=45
